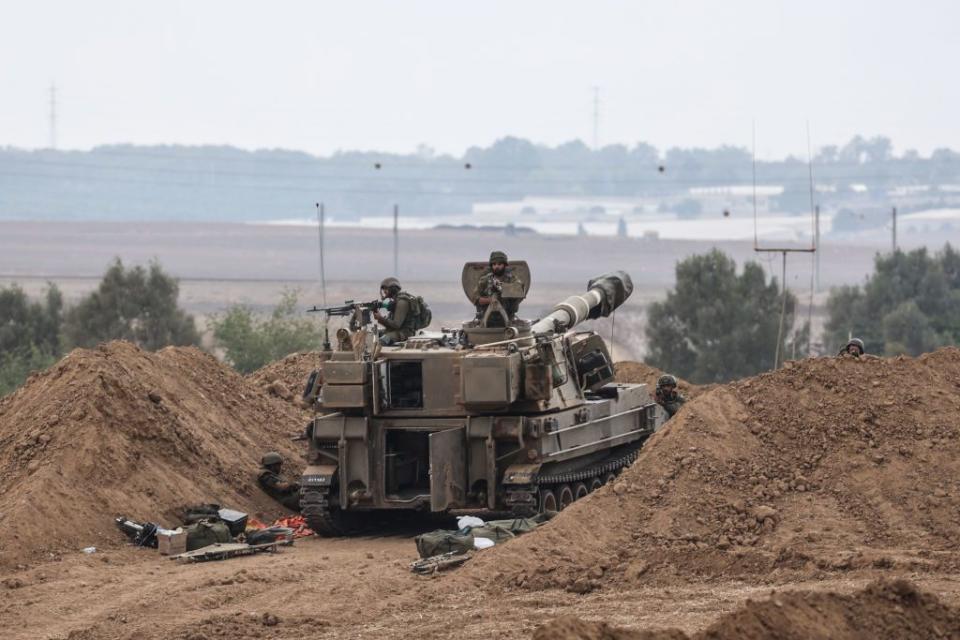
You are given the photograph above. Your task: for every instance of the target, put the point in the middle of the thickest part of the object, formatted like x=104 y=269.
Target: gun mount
x=524 y=417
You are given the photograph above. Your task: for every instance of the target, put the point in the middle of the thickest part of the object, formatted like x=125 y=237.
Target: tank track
x=607 y=466
x=320 y=516
x=519 y=498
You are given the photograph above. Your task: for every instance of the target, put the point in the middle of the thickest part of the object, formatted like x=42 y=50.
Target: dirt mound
x=117 y=430
x=829 y=464
x=286 y=378
x=640 y=372
x=891 y=610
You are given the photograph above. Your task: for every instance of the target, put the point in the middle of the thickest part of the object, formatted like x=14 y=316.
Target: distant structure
x=622 y=228
x=53 y=116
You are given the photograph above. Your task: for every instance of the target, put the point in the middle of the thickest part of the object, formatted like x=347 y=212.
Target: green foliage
x=250 y=342
x=29 y=334
x=911 y=304
x=716 y=325
x=15 y=366
x=133 y=304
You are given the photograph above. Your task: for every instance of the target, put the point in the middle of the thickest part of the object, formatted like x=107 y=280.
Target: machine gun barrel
x=604 y=294
x=348 y=307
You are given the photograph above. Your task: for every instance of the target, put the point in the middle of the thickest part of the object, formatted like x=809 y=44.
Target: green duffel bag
x=207 y=532
x=515 y=526
x=492 y=531
x=443 y=541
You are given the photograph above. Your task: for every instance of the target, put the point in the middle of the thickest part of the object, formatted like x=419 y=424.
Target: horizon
x=392 y=77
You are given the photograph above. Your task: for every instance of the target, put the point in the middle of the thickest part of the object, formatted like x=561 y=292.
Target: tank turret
x=516 y=416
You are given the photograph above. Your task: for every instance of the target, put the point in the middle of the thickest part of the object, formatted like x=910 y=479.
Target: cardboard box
x=172 y=543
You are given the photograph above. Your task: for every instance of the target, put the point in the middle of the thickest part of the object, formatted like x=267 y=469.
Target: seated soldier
x=667 y=395
x=406 y=313
x=270 y=480
x=490 y=285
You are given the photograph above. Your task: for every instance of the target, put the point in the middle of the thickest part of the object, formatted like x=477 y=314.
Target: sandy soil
x=356 y=588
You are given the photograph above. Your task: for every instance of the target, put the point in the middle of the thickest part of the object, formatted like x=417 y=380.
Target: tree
x=910 y=304
x=250 y=343
x=716 y=325
x=135 y=304
x=29 y=334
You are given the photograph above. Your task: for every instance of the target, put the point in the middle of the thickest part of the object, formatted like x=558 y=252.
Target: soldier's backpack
x=207 y=532
x=420 y=313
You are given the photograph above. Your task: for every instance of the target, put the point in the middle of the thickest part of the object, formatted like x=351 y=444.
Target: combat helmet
x=665 y=380
x=390 y=283
x=498 y=256
x=855 y=342
x=271 y=458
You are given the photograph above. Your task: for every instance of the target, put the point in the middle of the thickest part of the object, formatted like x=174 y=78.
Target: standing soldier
x=270 y=480
x=406 y=314
x=667 y=395
x=490 y=283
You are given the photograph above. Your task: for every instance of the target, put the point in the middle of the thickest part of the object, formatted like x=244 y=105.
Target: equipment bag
x=441 y=541
x=206 y=532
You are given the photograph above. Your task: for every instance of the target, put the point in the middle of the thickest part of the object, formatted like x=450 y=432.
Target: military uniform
x=671 y=405
x=286 y=493
x=670 y=399
x=400 y=323
x=487 y=286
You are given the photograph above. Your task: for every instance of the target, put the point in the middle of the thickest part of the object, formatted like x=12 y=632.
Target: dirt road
x=344 y=588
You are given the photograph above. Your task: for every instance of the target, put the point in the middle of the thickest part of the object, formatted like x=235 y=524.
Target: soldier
x=667 y=395
x=286 y=493
x=490 y=283
x=853 y=348
x=406 y=313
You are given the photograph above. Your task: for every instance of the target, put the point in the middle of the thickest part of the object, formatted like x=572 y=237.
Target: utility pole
x=894 y=216
x=396 y=241
x=816 y=244
x=53 y=116
x=596 y=118
x=320 y=225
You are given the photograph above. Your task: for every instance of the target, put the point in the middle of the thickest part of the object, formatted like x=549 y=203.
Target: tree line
x=129 y=182
x=718 y=322
x=139 y=304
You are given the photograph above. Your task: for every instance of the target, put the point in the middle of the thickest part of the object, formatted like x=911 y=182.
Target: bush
x=135 y=304
x=249 y=342
x=716 y=325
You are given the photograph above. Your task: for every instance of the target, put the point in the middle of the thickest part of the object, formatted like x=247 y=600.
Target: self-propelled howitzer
x=519 y=417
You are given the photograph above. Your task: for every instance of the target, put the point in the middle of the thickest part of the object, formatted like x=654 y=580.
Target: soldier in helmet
x=853 y=348
x=667 y=395
x=402 y=319
x=490 y=283
x=269 y=479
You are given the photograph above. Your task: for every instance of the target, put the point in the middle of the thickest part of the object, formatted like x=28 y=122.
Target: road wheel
x=564 y=496
x=595 y=484
x=610 y=477
x=580 y=490
x=548 y=501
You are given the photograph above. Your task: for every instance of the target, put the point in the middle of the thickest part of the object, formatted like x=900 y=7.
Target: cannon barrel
x=604 y=294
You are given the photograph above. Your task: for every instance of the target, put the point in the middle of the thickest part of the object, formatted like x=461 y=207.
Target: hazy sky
x=389 y=75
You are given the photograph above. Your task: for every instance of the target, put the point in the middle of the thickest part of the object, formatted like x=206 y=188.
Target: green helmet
x=856 y=342
x=498 y=256
x=390 y=283
x=271 y=457
x=666 y=380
